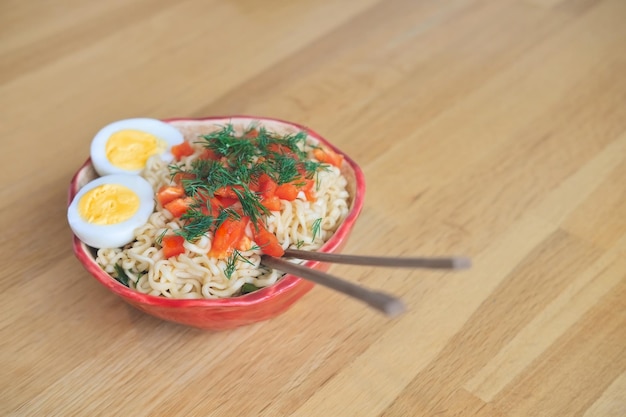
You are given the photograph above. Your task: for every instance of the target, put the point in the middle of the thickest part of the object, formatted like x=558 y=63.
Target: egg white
x=161 y=130
x=114 y=235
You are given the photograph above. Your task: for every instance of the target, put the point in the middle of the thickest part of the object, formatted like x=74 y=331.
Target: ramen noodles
x=231 y=195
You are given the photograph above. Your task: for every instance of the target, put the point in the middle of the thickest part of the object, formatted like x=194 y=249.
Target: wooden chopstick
x=386 y=303
x=433 y=263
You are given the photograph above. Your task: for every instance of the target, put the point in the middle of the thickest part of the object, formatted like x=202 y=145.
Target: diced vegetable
x=267 y=186
x=227 y=237
x=169 y=193
x=180 y=176
x=287 y=191
x=182 y=149
x=209 y=154
x=267 y=241
x=211 y=206
x=328 y=156
x=244 y=244
x=179 y=206
x=271 y=203
x=309 y=189
x=252 y=133
x=229 y=191
x=226 y=202
x=281 y=149
x=172 y=245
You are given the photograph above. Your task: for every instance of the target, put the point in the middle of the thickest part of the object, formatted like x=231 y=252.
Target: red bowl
x=226 y=313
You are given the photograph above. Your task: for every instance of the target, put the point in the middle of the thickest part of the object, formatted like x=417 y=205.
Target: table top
x=485 y=128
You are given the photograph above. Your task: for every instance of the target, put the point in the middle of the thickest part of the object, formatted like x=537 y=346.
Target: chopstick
x=381 y=301
x=433 y=263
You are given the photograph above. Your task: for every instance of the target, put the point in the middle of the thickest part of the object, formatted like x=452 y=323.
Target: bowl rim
x=285 y=284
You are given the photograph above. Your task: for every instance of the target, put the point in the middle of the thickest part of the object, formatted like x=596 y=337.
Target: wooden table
x=494 y=129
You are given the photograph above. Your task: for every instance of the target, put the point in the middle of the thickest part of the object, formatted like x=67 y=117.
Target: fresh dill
x=312 y=167
x=286 y=168
x=241 y=160
x=250 y=203
x=316 y=228
x=195 y=187
x=205 y=168
x=196 y=224
x=227 y=213
x=159 y=238
x=174 y=170
x=231 y=263
x=224 y=142
x=263 y=138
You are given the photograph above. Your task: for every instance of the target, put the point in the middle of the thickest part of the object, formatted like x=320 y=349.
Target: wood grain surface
x=494 y=129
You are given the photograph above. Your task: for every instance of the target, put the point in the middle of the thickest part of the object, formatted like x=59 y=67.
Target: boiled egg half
x=106 y=211
x=124 y=147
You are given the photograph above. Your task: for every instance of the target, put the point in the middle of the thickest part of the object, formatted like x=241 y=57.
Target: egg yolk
x=130 y=149
x=108 y=204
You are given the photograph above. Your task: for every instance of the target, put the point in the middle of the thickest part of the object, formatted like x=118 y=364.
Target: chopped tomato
x=210 y=206
x=308 y=189
x=229 y=191
x=179 y=206
x=244 y=244
x=182 y=149
x=271 y=203
x=252 y=133
x=280 y=149
x=168 y=193
x=209 y=154
x=172 y=245
x=328 y=156
x=227 y=201
x=267 y=186
x=180 y=176
x=227 y=237
x=267 y=241
x=287 y=192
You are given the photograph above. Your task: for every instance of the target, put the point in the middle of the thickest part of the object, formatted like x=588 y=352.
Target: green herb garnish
x=231 y=263
x=243 y=161
x=120 y=275
x=196 y=224
x=316 y=228
x=159 y=238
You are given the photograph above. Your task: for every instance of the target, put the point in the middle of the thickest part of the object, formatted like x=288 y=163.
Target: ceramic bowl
x=226 y=313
